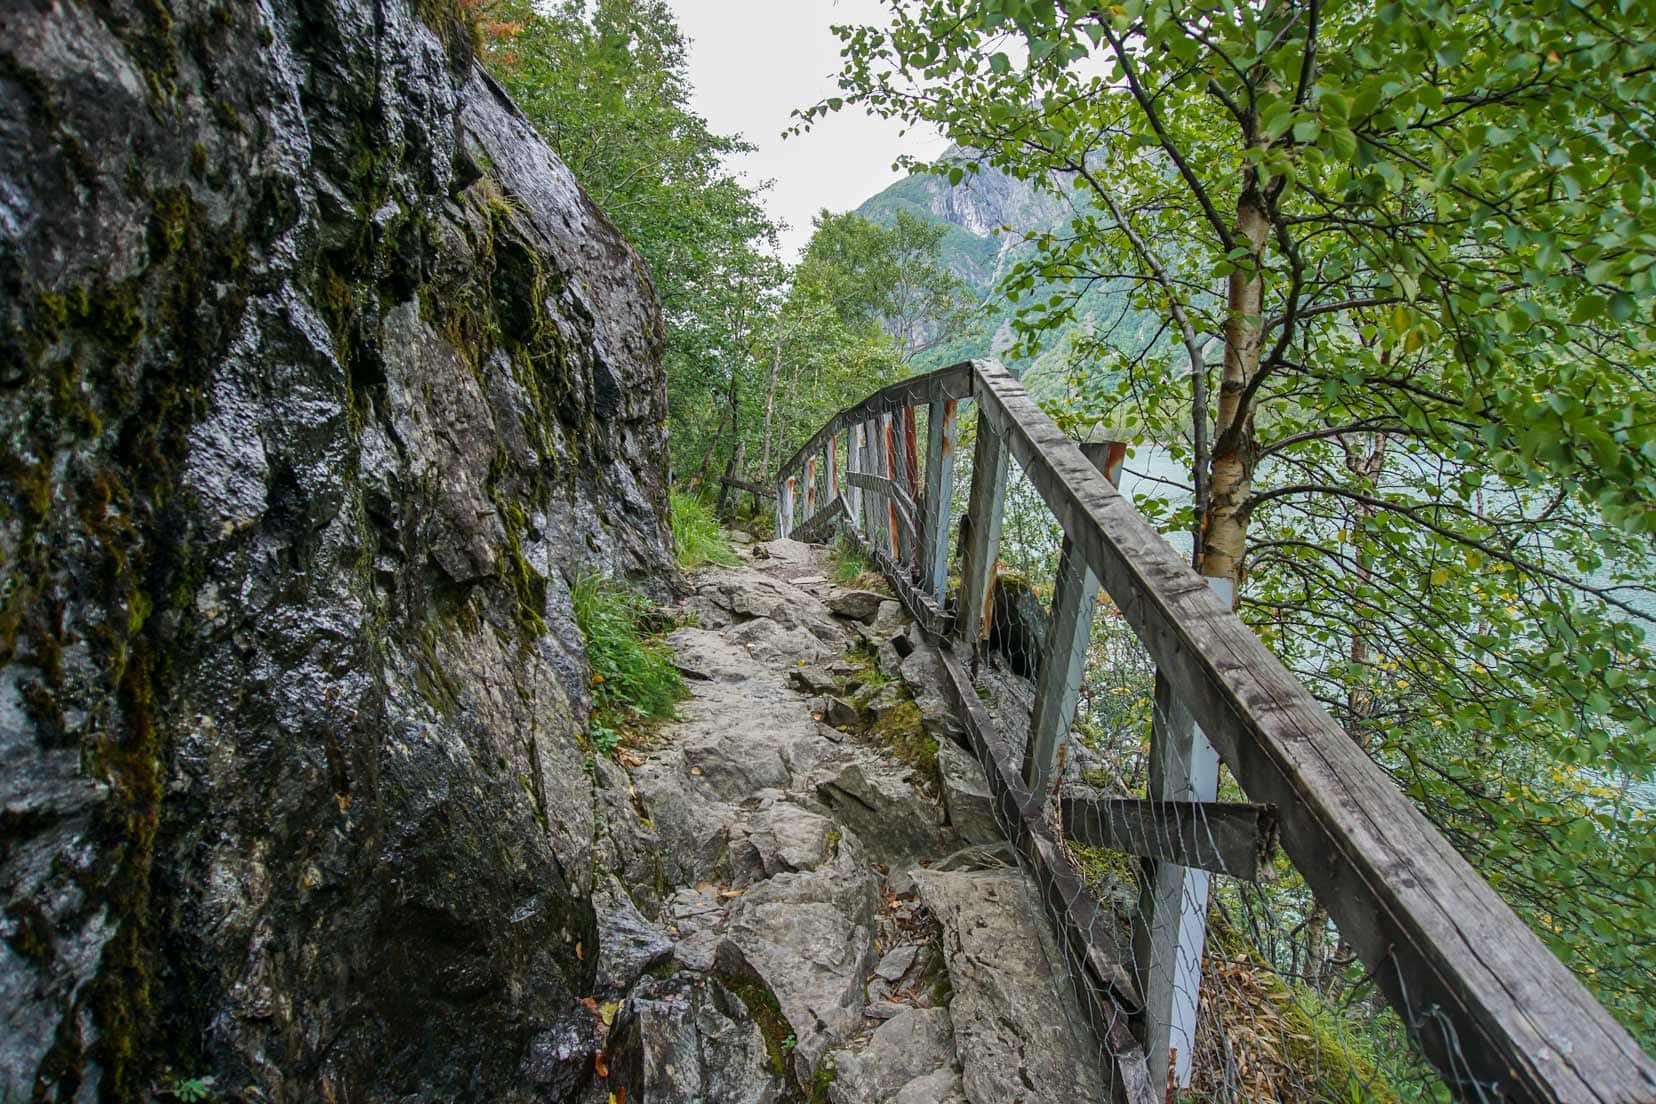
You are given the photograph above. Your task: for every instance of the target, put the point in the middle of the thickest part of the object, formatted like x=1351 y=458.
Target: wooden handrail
x=953 y=382
x=1496 y=1011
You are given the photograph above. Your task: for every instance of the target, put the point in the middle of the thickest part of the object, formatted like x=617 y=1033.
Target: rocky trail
x=808 y=897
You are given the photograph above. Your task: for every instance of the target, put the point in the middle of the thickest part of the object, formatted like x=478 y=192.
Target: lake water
x=1151 y=471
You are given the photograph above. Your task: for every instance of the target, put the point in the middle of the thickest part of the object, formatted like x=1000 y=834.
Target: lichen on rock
x=321 y=379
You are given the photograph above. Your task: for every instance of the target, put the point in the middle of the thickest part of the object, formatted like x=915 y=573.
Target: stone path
x=803 y=910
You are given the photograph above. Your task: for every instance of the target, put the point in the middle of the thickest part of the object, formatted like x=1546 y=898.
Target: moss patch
x=766 y=1011
x=899 y=731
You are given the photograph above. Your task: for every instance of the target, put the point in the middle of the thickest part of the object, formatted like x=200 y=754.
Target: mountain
x=987 y=217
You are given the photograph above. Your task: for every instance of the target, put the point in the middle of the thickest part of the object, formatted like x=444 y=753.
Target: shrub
x=697 y=537
x=633 y=677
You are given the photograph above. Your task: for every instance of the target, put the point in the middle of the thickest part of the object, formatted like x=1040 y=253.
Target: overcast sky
x=752 y=62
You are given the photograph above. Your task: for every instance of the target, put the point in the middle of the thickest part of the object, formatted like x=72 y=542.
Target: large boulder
x=322 y=378
x=808 y=938
x=914 y=1046
x=1017 y=1028
x=688 y=1037
x=896 y=821
x=967 y=800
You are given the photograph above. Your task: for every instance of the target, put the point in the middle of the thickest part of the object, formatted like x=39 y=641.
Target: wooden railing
x=1496 y=1013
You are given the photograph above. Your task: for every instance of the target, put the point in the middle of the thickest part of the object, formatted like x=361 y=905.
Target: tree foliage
x=605 y=84
x=1403 y=254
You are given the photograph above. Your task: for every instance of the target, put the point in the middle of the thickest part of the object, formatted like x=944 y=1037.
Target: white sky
x=752 y=62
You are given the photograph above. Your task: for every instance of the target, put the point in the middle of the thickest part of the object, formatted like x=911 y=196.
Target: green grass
x=634 y=681
x=853 y=569
x=697 y=537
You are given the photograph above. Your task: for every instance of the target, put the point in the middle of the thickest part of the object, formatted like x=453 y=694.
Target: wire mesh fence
x=1197 y=951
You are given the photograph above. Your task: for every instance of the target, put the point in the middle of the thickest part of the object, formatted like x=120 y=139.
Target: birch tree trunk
x=1225 y=531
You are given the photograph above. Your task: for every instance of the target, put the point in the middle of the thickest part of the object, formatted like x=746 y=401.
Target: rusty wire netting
x=1196 y=952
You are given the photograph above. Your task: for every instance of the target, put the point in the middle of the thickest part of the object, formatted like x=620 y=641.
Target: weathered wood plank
x=1099 y=978
x=831 y=455
x=854 y=463
x=910 y=452
x=1490 y=1000
x=983 y=525
x=942 y=438
x=953 y=382
x=785 y=508
x=820 y=526
x=932 y=617
x=1230 y=838
x=749 y=487
x=1170 y=927
x=874 y=503
x=1064 y=655
x=892 y=491
x=889 y=446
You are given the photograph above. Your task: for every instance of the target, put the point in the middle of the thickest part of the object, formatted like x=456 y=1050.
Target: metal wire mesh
x=1192 y=943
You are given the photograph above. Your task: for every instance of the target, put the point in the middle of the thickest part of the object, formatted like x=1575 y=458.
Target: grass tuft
x=697 y=537
x=634 y=681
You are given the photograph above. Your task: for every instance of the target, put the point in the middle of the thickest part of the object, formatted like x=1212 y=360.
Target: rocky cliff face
x=320 y=379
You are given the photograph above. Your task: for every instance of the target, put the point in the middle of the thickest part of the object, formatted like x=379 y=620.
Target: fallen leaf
x=729 y=893
x=696 y=771
x=598 y=1063
x=628 y=759
x=578 y=953
x=608 y=1011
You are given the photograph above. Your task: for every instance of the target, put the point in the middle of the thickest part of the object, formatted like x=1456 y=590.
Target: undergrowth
x=854 y=569
x=697 y=537
x=634 y=682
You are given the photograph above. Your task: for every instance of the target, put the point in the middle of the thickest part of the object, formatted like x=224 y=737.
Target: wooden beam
x=885 y=487
x=1085 y=930
x=820 y=526
x=983 y=524
x=1490 y=1001
x=931 y=617
x=750 y=487
x=953 y=382
x=879 y=521
x=831 y=454
x=1230 y=838
x=785 y=508
x=942 y=438
x=854 y=463
x=910 y=452
x=889 y=453
x=1064 y=656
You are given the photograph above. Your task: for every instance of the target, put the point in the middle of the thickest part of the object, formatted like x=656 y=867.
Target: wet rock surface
x=322 y=380
x=802 y=866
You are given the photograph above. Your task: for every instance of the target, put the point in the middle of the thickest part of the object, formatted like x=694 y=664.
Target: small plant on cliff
x=633 y=679
x=697 y=538
x=192 y=1089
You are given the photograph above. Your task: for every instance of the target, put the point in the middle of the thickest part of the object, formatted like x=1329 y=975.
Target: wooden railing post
x=1064 y=660
x=854 y=463
x=942 y=437
x=1170 y=931
x=874 y=455
x=884 y=532
x=983 y=523
x=785 y=507
x=897 y=472
x=831 y=477
x=810 y=486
